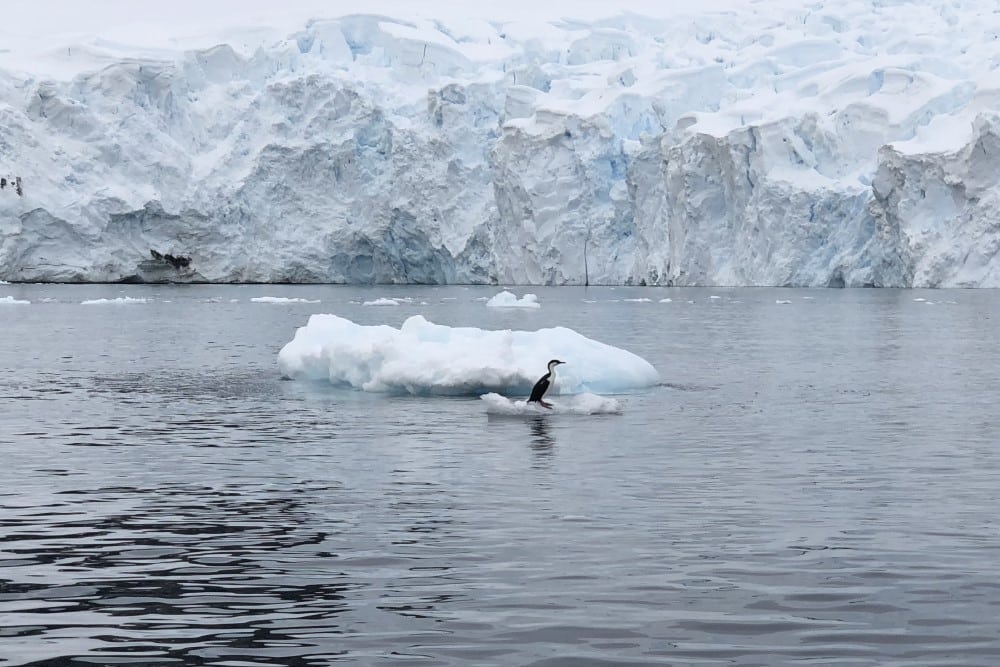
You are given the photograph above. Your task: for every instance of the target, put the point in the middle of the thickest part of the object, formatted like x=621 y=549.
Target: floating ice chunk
x=121 y=299
x=667 y=300
x=642 y=300
x=424 y=358
x=581 y=404
x=506 y=299
x=782 y=301
x=9 y=300
x=281 y=299
x=919 y=299
x=715 y=297
x=382 y=301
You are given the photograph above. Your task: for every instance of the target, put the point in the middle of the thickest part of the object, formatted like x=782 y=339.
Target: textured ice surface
x=425 y=358
x=727 y=143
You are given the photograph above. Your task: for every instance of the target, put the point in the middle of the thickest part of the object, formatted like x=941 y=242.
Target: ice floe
x=507 y=299
x=424 y=358
x=119 y=300
x=581 y=404
x=282 y=299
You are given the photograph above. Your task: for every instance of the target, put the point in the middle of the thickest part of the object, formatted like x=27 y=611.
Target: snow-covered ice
x=724 y=142
x=9 y=300
x=507 y=299
x=425 y=358
x=580 y=404
x=282 y=299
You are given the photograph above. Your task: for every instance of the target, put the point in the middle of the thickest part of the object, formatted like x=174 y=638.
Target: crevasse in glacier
x=844 y=144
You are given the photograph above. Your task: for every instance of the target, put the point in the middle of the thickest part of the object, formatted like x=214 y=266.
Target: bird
x=542 y=386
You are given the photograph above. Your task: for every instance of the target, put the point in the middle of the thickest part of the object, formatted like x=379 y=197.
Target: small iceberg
x=581 y=404
x=382 y=301
x=506 y=299
x=9 y=300
x=423 y=358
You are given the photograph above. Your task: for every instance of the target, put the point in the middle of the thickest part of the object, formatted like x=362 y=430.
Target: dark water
x=817 y=483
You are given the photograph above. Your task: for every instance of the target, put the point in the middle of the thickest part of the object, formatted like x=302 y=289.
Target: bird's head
x=554 y=363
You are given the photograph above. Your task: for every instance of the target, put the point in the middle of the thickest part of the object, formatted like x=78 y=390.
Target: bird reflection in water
x=542 y=442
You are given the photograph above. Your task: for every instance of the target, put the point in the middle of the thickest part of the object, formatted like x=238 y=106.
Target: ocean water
x=816 y=482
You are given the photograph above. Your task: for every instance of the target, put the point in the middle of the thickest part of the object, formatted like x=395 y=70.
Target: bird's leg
x=545 y=404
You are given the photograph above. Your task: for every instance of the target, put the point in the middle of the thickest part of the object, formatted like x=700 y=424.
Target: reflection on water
x=542 y=441
x=799 y=491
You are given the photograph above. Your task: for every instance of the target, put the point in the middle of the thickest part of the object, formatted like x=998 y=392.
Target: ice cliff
x=831 y=143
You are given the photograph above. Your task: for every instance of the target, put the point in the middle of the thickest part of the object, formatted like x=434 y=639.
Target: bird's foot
x=545 y=404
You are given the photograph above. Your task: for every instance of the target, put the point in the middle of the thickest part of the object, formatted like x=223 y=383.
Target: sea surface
x=816 y=482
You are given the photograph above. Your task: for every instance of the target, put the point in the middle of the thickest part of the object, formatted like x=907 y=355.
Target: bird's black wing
x=539 y=389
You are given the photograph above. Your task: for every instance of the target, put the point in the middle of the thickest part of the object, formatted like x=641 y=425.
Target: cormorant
x=542 y=386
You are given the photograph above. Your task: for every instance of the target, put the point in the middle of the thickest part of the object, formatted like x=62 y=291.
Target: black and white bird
x=543 y=384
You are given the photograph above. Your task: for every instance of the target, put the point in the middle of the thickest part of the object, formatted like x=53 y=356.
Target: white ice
x=580 y=404
x=507 y=299
x=119 y=300
x=9 y=300
x=425 y=358
x=281 y=299
x=382 y=301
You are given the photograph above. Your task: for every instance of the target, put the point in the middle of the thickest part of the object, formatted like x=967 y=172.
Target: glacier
x=838 y=144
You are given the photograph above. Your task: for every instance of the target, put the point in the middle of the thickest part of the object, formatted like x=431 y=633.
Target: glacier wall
x=843 y=144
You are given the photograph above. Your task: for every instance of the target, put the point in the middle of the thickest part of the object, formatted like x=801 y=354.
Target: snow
x=423 y=358
x=119 y=300
x=282 y=299
x=9 y=300
x=723 y=142
x=581 y=404
x=507 y=299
